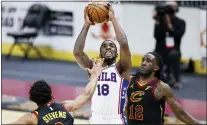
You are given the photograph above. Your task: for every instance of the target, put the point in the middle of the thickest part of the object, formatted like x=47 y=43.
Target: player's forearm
x=91 y=86
x=185 y=117
x=86 y=96
x=80 y=41
x=120 y=34
x=180 y=112
x=79 y=102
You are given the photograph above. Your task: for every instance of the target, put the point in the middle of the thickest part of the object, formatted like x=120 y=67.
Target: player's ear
x=156 y=68
x=52 y=97
x=100 y=55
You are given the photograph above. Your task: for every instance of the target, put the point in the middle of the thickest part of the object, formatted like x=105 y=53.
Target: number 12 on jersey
x=136 y=112
x=103 y=90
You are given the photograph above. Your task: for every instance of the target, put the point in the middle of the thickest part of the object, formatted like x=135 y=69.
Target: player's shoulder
x=164 y=88
x=164 y=85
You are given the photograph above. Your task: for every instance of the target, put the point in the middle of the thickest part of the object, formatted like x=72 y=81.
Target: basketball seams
x=98 y=15
x=100 y=10
x=90 y=14
x=95 y=7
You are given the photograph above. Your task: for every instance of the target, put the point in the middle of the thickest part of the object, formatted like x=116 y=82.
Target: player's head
x=152 y=63
x=40 y=93
x=108 y=51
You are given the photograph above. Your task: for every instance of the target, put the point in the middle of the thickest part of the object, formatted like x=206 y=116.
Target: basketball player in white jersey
x=108 y=100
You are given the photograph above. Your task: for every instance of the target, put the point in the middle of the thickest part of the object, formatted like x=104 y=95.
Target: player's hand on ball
x=87 y=20
x=111 y=13
x=97 y=67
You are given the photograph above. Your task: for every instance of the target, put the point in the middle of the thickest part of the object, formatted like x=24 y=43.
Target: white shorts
x=102 y=119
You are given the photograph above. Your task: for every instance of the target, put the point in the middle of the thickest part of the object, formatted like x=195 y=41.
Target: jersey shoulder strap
x=131 y=80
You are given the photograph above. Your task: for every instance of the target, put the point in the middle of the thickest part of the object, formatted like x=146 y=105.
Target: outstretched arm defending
x=26 y=119
x=85 y=97
x=164 y=90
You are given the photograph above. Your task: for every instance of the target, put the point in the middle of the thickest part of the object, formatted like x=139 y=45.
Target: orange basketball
x=98 y=12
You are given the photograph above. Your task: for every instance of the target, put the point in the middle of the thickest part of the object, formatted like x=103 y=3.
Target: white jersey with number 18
x=109 y=96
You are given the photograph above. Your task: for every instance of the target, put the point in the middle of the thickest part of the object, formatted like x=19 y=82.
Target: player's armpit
x=126 y=74
x=125 y=62
x=175 y=106
x=27 y=119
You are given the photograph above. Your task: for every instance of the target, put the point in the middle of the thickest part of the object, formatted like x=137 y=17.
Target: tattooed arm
x=164 y=90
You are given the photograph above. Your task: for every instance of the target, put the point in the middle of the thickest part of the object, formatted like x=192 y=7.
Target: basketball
x=98 y=12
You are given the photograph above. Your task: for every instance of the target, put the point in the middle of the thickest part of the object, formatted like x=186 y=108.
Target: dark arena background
x=46 y=52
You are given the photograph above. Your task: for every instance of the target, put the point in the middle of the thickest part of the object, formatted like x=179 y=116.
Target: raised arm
x=164 y=90
x=81 y=57
x=125 y=56
x=85 y=97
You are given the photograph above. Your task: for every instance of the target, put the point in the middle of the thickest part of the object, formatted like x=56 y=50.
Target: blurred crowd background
x=38 y=40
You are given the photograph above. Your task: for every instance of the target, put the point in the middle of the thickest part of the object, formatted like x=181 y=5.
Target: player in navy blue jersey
x=51 y=113
x=147 y=93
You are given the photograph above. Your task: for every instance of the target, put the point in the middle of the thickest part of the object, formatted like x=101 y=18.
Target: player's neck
x=108 y=64
x=145 y=79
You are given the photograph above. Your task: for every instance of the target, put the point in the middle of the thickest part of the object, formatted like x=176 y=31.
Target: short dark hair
x=158 y=73
x=105 y=41
x=40 y=92
x=160 y=63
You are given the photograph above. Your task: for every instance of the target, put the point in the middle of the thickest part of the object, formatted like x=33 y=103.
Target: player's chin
x=144 y=72
x=108 y=57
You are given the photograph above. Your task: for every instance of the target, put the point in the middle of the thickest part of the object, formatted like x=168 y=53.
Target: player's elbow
x=76 y=52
